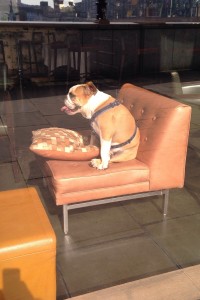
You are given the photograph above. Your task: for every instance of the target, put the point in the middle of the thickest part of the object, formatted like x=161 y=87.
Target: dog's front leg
x=94 y=139
x=102 y=163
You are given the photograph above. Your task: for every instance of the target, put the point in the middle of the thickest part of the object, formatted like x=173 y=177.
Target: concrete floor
x=115 y=249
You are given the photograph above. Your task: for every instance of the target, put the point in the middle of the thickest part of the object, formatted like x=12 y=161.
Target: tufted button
x=145 y=139
x=122 y=101
x=131 y=106
x=154 y=118
x=142 y=111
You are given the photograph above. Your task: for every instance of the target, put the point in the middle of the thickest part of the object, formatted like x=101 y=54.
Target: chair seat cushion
x=72 y=181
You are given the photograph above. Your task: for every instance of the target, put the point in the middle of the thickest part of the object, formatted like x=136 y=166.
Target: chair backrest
x=164 y=127
x=37 y=37
x=73 y=40
x=73 y=45
x=51 y=37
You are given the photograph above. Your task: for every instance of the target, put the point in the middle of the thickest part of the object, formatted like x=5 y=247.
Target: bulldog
x=111 y=122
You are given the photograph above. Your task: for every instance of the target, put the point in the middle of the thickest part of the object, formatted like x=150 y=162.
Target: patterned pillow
x=62 y=144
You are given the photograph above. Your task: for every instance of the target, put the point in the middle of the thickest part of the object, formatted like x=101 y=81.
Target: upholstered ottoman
x=27 y=248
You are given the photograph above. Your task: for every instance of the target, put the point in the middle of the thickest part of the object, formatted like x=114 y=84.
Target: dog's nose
x=69 y=103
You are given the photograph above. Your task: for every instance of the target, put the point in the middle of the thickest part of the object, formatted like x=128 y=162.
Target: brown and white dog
x=110 y=120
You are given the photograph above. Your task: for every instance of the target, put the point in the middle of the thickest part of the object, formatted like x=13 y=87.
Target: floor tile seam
x=171 y=219
x=191 y=280
x=168 y=218
x=157 y=244
x=165 y=251
x=192 y=147
x=162 y=247
x=19 y=171
x=32 y=102
x=68 y=295
x=121 y=282
x=136 y=221
x=193 y=193
x=100 y=243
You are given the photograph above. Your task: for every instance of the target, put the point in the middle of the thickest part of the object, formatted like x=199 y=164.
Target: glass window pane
x=90 y=10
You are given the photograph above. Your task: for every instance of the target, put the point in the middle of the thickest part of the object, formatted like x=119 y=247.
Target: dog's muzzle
x=69 y=103
x=70 y=106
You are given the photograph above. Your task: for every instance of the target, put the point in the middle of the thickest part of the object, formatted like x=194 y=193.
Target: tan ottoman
x=27 y=248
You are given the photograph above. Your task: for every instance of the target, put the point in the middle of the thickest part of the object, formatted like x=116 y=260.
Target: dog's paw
x=98 y=164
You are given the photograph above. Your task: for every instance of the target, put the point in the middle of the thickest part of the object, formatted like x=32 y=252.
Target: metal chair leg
x=65 y=218
x=165 y=202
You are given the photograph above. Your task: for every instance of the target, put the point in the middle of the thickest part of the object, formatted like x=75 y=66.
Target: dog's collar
x=103 y=109
x=93 y=103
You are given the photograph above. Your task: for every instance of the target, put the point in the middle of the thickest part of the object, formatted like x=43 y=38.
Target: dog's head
x=78 y=96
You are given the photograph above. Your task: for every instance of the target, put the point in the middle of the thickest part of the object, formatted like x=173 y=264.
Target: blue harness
x=105 y=108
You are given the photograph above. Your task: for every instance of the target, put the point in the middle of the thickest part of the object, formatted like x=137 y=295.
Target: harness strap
x=103 y=109
x=126 y=142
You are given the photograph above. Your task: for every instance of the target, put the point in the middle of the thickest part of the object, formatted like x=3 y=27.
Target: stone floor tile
x=179 y=238
x=49 y=109
x=173 y=285
x=24 y=119
x=28 y=164
x=88 y=226
x=9 y=180
x=5 y=151
x=150 y=210
x=194 y=140
x=54 y=212
x=16 y=106
x=192 y=175
x=195 y=118
x=3 y=128
x=49 y=105
x=69 y=122
x=111 y=263
x=22 y=136
x=61 y=288
x=47 y=99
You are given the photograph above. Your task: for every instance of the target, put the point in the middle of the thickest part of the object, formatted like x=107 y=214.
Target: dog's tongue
x=65 y=109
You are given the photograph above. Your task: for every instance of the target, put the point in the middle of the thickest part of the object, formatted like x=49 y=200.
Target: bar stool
x=37 y=47
x=31 y=62
x=73 y=46
x=25 y=58
x=110 y=56
x=53 y=48
x=3 y=65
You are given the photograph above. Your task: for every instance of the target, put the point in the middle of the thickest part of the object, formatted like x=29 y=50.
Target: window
x=89 y=10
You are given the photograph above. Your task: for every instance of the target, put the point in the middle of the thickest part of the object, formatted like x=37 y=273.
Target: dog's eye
x=72 y=95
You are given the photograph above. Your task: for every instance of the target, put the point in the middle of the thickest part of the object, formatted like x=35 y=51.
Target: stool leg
x=65 y=218
x=5 y=77
x=165 y=202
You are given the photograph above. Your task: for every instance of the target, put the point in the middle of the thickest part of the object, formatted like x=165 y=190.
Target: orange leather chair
x=27 y=248
x=160 y=164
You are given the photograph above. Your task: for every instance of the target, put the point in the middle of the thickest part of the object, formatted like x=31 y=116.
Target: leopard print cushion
x=62 y=144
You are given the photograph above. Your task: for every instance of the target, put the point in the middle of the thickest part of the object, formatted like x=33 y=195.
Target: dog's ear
x=90 y=88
